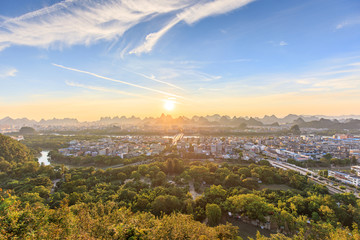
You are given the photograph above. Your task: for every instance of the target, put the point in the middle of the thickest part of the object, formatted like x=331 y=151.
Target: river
x=44 y=158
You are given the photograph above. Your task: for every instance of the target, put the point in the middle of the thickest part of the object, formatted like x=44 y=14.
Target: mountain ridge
x=311 y=121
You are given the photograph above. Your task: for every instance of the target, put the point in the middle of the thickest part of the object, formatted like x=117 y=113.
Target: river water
x=44 y=158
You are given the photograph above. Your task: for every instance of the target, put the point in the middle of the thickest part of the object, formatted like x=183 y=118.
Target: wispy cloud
x=327 y=77
x=107 y=90
x=152 y=38
x=153 y=78
x=3 y=46
x=206 y=77
x=118 y=81
x=192 y=75
x=355 y=64
x=79 y=22
x=344 y=78
x=187 y=74
x=277 y=43
x=211 y=8
x=7 y=72
x=348 y=22
x=191 y=15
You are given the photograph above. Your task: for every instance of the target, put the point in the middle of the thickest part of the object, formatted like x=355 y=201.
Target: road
x=177 y=138
x=312 y=175
x=288 y=166
x=131 y=164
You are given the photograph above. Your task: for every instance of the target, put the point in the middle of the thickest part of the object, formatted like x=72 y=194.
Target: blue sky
x=89 y=58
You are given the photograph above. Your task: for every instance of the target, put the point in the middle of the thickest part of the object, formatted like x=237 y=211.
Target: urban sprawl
x=299 y=148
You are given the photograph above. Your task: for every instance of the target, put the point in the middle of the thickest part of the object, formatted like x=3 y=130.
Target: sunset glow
x=235 y=57
x=169 y=105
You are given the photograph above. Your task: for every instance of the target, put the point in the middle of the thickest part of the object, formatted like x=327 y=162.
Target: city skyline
x=87 y=59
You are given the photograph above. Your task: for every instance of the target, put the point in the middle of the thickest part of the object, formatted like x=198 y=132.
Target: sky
x=85 y=59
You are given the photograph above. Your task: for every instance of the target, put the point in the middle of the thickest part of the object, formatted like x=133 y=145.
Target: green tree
x=160 y=179
x=232 y=180
x=198 y=172
x=27 y=130
x=215 y=194
x=251 y=205
x=166 y=204
x=213 y=214
x=264 y=163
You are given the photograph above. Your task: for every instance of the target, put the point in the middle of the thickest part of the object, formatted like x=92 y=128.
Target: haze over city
x=87 y=59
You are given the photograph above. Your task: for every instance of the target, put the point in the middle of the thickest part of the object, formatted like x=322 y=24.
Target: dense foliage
x=27 y=130
x=13 y=151
x=98 y=221
x=97 y=161
x=165 y=199
x=53 y=141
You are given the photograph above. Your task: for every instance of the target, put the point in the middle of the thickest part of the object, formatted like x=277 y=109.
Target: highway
x=177 y=138
x=312 y=175
x=289 y=166
x=125 y=165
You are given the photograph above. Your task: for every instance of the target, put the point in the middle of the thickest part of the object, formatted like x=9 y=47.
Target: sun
x=169 y=105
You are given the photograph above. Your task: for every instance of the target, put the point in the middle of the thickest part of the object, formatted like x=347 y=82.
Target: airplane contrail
x=102 y=89
x=115 y=80
x=154 y=79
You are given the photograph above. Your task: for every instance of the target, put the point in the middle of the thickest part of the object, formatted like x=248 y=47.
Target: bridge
x=177 y=138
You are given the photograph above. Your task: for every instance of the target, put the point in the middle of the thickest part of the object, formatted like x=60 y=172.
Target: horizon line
x=343 y=116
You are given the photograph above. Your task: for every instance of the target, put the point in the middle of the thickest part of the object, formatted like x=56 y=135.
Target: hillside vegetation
x=155 y=201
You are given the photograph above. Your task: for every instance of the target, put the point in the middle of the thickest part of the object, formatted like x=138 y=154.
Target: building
x=345 y=178
x=356 y=169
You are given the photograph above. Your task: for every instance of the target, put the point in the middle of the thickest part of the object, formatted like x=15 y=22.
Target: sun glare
x=169 y=105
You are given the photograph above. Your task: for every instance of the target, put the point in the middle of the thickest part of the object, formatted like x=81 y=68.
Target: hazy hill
x=209 y=120
x=55 y=121
x=268 y=119
x=330 y=124
x=18 y=121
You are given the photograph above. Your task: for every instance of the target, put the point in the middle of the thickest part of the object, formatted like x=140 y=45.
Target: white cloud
x=81 y=22
x=276 y=43
x=8 y=72
x=85 y=22
x=355 y=64
x=3 y=46
x=152 y=38
x=191 y=15
x=349 y=22
x=211 y=8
